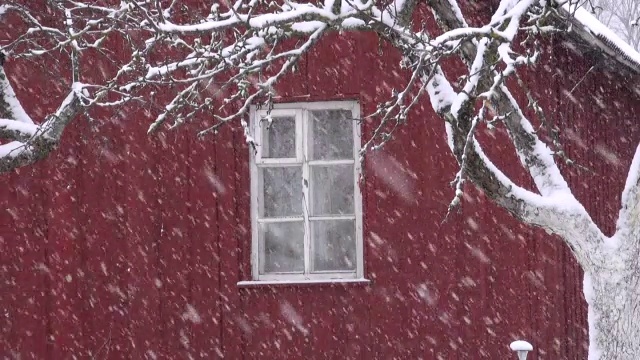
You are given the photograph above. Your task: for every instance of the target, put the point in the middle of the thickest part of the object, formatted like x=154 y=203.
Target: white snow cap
x=521 y=345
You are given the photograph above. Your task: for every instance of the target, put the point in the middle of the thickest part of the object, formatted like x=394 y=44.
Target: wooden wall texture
x=128 y=246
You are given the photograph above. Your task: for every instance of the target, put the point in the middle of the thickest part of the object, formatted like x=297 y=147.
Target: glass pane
x=283 y=247
x=334 y=245
x=282 y=191
x=279 y=137
x=332 y=133
x=332 y=189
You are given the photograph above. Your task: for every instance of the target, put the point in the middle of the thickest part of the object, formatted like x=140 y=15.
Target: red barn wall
x=123 y=245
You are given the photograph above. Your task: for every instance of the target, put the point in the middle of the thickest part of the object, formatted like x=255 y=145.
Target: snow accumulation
x=14 y=149
x=12 y=100
x=21 y=127
x=603 y=33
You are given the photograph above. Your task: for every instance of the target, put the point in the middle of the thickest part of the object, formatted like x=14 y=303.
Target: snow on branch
x=555 y=209
x=31 y=142
x=23 y=141
x=629 y=216
x=534 y=154
x=10 y=107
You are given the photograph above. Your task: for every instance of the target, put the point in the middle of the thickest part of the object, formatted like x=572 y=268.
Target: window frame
x=301 y=112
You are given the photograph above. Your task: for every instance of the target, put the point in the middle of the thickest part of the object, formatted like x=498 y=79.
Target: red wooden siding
x=129 y=246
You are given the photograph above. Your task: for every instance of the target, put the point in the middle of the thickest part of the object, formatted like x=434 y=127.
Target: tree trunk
x=613 y=297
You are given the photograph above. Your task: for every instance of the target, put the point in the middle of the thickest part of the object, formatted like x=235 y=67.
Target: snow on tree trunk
x=613 y=297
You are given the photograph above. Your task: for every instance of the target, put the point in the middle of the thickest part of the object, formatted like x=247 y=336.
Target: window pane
x=332 y=189
x=334 y=245
x=283 y=247
x=332 y=134
x=282 y=191
x=279 y=137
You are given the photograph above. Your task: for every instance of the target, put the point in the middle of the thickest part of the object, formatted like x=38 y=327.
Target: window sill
x=331 y=282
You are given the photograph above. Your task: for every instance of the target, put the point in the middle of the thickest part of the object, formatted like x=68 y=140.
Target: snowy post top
x=521 y=345
x=521 y=348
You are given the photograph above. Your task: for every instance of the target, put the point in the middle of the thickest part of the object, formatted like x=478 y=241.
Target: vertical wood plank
x=106 y=248
x=28 y=271
x=324 y=316
x=65 y=236
x=205 y=188
x=174 y=243
x=8 y=242
x=142 y=232
x=226 y=162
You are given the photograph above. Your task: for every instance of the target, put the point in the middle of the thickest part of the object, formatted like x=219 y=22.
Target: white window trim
x=300 y=109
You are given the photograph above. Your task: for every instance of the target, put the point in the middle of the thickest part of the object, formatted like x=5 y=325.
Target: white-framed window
x=306 y=204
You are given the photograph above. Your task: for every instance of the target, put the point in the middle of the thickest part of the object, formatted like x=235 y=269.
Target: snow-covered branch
x=246 y=44
x=29 y=142
x=556 y=200
x=629 y=216
x=10 y=107
x=534 y=154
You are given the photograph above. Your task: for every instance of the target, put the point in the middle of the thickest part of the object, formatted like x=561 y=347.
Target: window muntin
x=306 y=204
